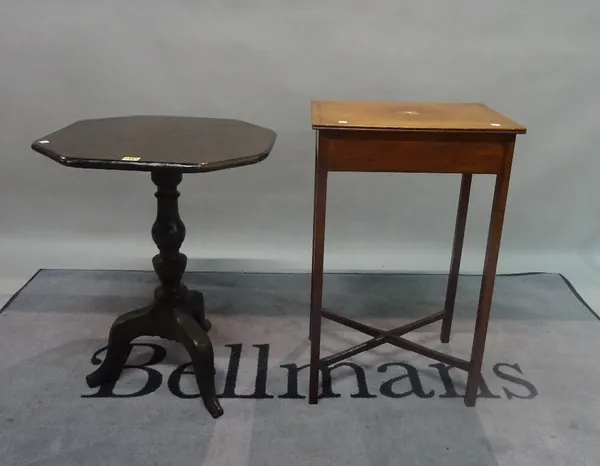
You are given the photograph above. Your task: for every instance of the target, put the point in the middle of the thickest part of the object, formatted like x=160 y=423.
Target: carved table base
x=177 y=314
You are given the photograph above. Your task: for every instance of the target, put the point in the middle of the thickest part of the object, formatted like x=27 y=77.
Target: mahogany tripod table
x=409 y=137
x=167 y=147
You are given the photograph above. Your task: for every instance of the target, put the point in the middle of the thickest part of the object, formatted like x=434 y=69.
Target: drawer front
x=417 y=153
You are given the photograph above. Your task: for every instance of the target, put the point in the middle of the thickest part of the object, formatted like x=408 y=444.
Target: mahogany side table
x=167 y=147
x=460 y=138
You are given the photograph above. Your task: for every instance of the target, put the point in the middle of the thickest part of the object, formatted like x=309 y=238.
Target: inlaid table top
x=411 y=116
x=148 y=142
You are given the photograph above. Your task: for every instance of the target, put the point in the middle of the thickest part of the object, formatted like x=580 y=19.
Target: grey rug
x=540 y=404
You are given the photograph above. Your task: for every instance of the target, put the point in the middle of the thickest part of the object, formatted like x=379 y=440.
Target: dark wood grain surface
x=150 y=142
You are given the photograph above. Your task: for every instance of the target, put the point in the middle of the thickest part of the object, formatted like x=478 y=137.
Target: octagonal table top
x=151 y=142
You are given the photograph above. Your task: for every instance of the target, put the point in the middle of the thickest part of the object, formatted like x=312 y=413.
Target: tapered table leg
x=488 y=278
x=316 y=300
x=459 y=239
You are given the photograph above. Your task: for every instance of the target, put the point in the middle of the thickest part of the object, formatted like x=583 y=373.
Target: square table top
x=150 y=142
x=411 y=116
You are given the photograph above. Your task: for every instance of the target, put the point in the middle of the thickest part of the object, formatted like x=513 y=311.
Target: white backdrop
x=537 y=61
